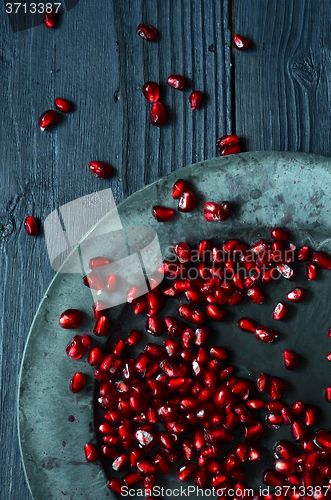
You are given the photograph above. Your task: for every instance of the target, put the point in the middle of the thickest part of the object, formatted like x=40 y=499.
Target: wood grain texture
x=282 y=85
x=95 y=59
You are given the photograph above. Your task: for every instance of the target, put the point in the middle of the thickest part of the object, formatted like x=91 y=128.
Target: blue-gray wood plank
x=95 y=59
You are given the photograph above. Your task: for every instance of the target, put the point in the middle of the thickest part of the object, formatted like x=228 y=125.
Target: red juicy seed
x=280 y=311
x=151 y=91
x=195 y=99
x=93 y=280
x=221 y=295
x=254 y=453
x=141 y=306
x=322 y=439
x=227 y=140
x=162 y=462
x=241 y=43
x=287 y=415
x=95 y=356
x=311 y=271
x=298 y=430
x=119 y=349
x=63 y=105
x=262 y=383
x=85 y=341
x=47 y=119
x=201 y=335
x=278 y=234
x=179 y=187
x=187 y=202
x=255 y=294
x=203 y=248
x=132 y=294
x=187 y=338
x=101 y=326
x=107 y=428
x=186 y=471
x=96 y=262
x=70 y=319
x=178 y=82
x=91 y=453
x=98 y=307
x=256 y=404
x=214 y=212
x=185 y=311
x=297 y=294
x=218 y=353
x=265 y=334
x=303 y=254
x=120 y=462
x=284 y=466
x=146 y=32
x=215 y=313
x=274 y=420
x=235 y=298
x=50 y=19
x=252 y=431
x=202 y=479
x=75 y=349
x=115 y=484
x=287 y=271
x=132 y=479
x=328 y=356
x=247 y=325
x=272 y=478
x=310 y=415
x=275 y=406
x=77 y=382
x=298 y=407
x=30 y=225
x=320 y=259
x=194 y=296
x=155 y=326
x=133 y=338
x=290 y=359
x=100 y=169
x=158 y=114
x=162 y=214
x=232 y=149
x=276 y=388
x=173 y=348
x=221 y=397
x=183 y=252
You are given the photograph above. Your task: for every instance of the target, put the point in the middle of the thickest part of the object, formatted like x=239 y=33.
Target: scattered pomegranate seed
x=255 y=294
x=158 y=114
x=96 y=262
x=214 y=212
x=50 y=19
x=111 y=284
x=297 y=294
x=91 y=453
x=101 y=326
x=75 y=349
x=100 y=169
x=280 y=310
x=93 y=280
x=241 y=43
x=178 y=82
x=303 y=254
x=195 y=99
x=262 y=383
x=247 y=325
x=47 y=119
x=146 y=32
x=151 y=91
x=290 y=359
x=30 y=225
x=70 y=319
x=95 y=356
x=231 y=149
x=179 y=187
x=227 y=140
x=265 y=334
x=276 y=388
x=327 y=394
x=187 y=202
x=162 y=214
x=63 y=105
x=311 y=272
x=320 y=259
x=328 y=357
x=77 y=382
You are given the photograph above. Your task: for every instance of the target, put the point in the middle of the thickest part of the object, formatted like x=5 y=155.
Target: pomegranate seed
x=162 y=462
x=47 y=119
x=100 y=169
x=133 y=338
x=287 y=271
x=241 y=43
x=256 y=404
x=132 y=294
x=276 y=388
x=278 y=234
x=254 y=454
x=162 y=214
x=255 y=294
x=311 y=271
x=275 y=406
x=247 y=325
x=322 y=439
x=227 y=140
x=252 y=431
x=290 y=359
x=75 y=349
x=101 y=326
x=115 y=484
x=232 y=149
x=158 y=114
x=30 y=225
x=95 y=356
x=186 y=471
x=310 y=415
x=91 y=453
x=265 y=334
x=272 y=478
x=274 y=420
x=201 y=335
x=146 y=32
x=93 y=280
x=297 y=294
x=218 y=353
x=327 y=394
x=70 y=319
x=77 y=382
x=280 y=311
x=214 y=212
x=298 y=430
x=320 y=259
x=187 y=202
x=215 y=313
x=141 y=306
x=287 y=415
x=151 y=91
x=63 y=105
x=96 y=262
x=202 y=478
x=120 y=462
x=182 y=251
x=178 y=82
x=179 y=187
x=195 y=99
x=303 y=254
x=262 y=383
x=132 y=479
x=50 y=19
x=298 y=407
x=155 y=326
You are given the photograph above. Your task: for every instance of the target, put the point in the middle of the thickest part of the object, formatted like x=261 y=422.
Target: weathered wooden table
x=276 y=96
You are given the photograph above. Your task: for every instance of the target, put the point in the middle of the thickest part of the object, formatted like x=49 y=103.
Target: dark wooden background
x=275 y=96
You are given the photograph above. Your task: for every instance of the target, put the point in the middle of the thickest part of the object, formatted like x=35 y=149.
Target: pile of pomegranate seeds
x=187 y=202
x=178 y=402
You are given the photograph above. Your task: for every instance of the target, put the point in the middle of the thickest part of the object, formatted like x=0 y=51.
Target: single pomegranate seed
x=95 y=356
x=215 y=313
x=297 y=294
x=63 y=105
x=262 y=383
x=101 y=326
x=132 y=294
x=91 y=453
x=158 y=114
x=255 y=294
x=141 y=306
x=298 y=430
x=187 y=202
x=111 y=285
x=50 y=19
x=178 y=82
x=247 y=325
x=151 y=91
x=298 y=407
x=100 y=169
x=30 y=225
x=47 y=119
x=162 y=214
x=265 y=334
x=93 y=280
x=280 y=311
x=276 y=388
x=120 y=462
x=186 y=471
x=155 y=326
x=290 y=359
x=252 y=431
x=241 y=43
x=201 y=335
x=96 y=262
x=70 y=319
x=278 y=234
x=311 y=271
x=195 y=99
x=272 y=478
x=256 y=404
x=214 y=212
x=227 y=140
x=115 y=484
x=77 y=382
x=133 y=338
x=327 y=394
x=232 y=149
x=310 y=415
x=146 y=32
x=287 y=271
x=287 y=415
x=179 y=187
x=75 y=349
x=274 y=420
x=320 y=259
